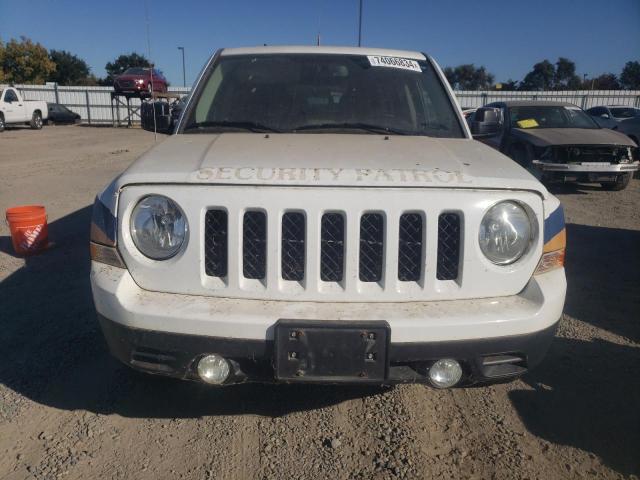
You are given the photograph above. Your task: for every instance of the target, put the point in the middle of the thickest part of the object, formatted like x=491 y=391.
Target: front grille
x=293 y=246
x=254 y=245
x=410 y=247
x=448 y=246
x=332 y=247
x=215 y=243
x=371 y=247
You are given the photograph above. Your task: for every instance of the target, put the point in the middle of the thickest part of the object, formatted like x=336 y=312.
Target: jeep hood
x=547 y=137
x=327 y=160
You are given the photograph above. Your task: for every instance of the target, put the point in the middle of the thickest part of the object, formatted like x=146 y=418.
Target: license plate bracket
x=331 y=351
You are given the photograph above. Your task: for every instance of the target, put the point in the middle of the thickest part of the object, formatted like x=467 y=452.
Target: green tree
x=123 y=62
x=507 y=86
x=606 y=81
x=451 y=76
x=2 y=78
x=70 y=70
x=630 y=76
x=25 y=62
x=469 y=77
x=565 y=77
x=540 y=78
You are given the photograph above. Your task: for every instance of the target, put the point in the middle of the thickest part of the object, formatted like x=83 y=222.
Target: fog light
x=445 y=373
x=213 y=369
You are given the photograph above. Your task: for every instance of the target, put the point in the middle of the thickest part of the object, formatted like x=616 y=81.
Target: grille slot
x=293 y=246
x=254 y=245
x=332 y=247
x=410 y=247
x=215 y=243
x=371 y=247
x=448 y=246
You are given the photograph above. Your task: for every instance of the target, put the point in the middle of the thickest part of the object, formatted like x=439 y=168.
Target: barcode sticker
x=394 y=62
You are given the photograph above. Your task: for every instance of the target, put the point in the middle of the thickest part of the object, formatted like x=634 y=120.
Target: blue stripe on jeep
x=553 y=224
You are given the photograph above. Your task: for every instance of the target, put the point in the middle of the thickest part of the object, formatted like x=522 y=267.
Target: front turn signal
x=105 y=254
x=550 y=261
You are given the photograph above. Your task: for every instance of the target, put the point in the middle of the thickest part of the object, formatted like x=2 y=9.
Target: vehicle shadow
x=54 y=353
x=603 y=278
x=586 y=395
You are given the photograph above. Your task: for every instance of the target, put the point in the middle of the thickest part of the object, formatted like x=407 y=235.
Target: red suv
x=139 y=80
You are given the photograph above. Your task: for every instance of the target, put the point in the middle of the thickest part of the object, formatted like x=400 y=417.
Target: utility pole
x=184 y=75
x=360 y=26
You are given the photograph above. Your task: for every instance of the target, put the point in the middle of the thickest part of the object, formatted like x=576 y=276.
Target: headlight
x=158 y=227
x=505 y=233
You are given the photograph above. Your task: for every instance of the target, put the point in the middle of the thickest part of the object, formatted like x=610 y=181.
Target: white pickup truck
x=323 y=214
x=14 y=109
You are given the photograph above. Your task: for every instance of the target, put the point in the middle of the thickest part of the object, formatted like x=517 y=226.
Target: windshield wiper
x=242 y=125
x=350 y=126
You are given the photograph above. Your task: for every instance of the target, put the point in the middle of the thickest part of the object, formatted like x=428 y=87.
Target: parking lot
x=67 y=409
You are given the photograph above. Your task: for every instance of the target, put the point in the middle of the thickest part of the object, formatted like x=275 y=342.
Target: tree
x=606 y=81
x=451 y=75
x=70 y=70
x=89 y=81
x=468 y=77
x=25 y=62
x=630 y=76
x=507 y=86
x=2 y=79
x=565 y=77
x=540 y=78
x=123 y=62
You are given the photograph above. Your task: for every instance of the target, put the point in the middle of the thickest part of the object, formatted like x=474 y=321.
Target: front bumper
x=176 y=355
x=162 y=333
x=494 y=338
x=587 y=167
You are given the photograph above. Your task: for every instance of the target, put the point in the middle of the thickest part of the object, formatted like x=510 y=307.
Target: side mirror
x=159 y=110
x=605 y=115
x=487 y=122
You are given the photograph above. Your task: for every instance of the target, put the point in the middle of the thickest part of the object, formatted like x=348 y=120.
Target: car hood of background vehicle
x=328 y=160
x=546 y=137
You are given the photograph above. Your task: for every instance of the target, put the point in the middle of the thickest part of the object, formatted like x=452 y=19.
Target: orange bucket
x=28 y=225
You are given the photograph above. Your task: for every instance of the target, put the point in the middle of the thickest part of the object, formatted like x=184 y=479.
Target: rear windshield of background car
x=624 y=112
x=135 y=71
x=535 y=116
x=284 y=92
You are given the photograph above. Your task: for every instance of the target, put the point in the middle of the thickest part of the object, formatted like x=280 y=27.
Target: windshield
x=624 y=112
x=553 y=116
x=135 y=71
x=315 y=93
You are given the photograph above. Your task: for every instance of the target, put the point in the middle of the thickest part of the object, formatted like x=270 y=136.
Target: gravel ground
x=68 y=410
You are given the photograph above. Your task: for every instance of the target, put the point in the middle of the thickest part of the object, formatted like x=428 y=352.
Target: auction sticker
x=394 y=62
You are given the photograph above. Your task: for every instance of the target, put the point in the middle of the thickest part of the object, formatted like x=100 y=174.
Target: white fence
x=582 y=98
x=95 y=104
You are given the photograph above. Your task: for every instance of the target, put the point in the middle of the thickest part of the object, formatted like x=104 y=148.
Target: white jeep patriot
x=323 y=214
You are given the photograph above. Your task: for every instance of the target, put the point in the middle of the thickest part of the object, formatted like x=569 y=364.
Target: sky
x=506 y=36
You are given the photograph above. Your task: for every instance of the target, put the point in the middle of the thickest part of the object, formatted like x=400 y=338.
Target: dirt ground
x=68 y=410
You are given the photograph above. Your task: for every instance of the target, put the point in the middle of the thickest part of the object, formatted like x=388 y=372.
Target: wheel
x=622 y=181
x=36 y=121
x=1 y=123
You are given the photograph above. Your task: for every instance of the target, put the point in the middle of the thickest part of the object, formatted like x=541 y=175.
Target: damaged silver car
x=557 y=142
